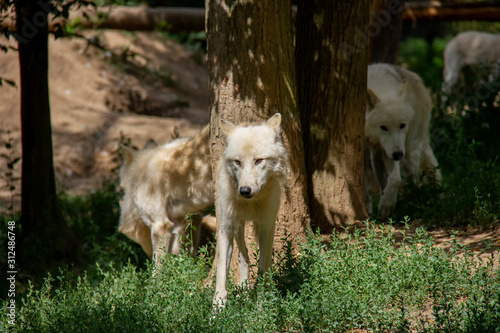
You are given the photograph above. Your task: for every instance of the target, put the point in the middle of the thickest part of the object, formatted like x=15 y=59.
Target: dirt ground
x=109 y=86
x=115 y=86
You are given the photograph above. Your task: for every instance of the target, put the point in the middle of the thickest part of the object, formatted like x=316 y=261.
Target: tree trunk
x=43 y=229
x=251 y=77
x=386 y=23
x=331 y=58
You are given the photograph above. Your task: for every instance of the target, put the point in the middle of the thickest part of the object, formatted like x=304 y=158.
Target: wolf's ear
x=150 y=144
x=226 y=127
x=403 y=88
x=127 y=153
x=274 y=121
x=371 y=99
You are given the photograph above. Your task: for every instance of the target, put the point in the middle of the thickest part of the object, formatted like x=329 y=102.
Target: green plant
x=365 y=280
x=424 y=59
x=11 y=159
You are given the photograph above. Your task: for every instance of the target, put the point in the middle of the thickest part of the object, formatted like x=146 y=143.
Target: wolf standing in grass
x=397 y=129
x=251 y=175
x=162 y=185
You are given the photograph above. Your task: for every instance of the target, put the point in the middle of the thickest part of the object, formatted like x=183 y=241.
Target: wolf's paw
x=219 y=302
x=218 y=305
x=385 y=211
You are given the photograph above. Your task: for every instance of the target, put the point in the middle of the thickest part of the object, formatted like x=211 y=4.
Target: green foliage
x=361 y=280
x=196 y=41
x=424 y=59
x=94 y=218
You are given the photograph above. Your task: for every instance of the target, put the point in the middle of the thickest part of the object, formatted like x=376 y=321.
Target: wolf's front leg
x=242 y=248
x=411 y=164
x=369 y=179
x=430 y=165
x=225 y=247
x=390 y=192
x=161 y=237
x=266 y=238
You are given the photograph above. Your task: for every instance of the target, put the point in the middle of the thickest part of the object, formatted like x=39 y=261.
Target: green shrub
x=362 y=280
x=424 y=59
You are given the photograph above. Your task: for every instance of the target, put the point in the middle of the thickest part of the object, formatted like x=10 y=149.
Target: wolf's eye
x=237 y=162
x=383 y=128
x=258 y=161
x=402 y=126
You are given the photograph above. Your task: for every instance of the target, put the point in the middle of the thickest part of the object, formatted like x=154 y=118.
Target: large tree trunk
x=331 y=56
x=43 y=229
x=386 y=23
x=251 y=77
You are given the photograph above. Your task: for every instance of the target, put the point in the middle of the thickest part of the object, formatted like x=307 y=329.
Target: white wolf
x=251 y=175
x=162 y=186
x=397 y=130
x=466 y=49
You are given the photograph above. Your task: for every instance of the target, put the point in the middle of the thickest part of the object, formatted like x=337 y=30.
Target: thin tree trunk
x=251 y=77
x=331 y=58
x=43 y=229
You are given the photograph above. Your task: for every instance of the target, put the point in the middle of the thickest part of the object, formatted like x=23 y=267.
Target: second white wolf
x=162 y=186
x=251 y=175
x=470 y=48
x=397 y=130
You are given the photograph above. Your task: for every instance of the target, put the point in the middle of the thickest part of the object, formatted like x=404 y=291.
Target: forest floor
x=116 y=86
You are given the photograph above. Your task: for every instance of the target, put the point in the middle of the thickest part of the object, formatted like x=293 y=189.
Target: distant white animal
x=162 y=186
x=251 y=174
x=470 y=48
x=397 y=130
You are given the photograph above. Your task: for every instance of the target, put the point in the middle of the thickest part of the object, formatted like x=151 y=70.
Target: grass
x=358 y=281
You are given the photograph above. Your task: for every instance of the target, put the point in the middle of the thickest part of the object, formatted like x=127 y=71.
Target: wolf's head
x=387 y=123
x=254 y=155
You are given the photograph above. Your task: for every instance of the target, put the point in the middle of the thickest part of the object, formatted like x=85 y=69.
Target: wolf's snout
x=246 y=192
x=397 y=155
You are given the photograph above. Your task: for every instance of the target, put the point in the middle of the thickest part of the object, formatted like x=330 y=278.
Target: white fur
x=397 y=132
x=162 y=185
x=466 y=49
x=251 y=174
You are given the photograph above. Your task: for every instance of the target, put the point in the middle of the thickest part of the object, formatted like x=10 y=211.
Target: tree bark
x=331 y=58
x=251 y=77
x=386 y=23
x=43 y=229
